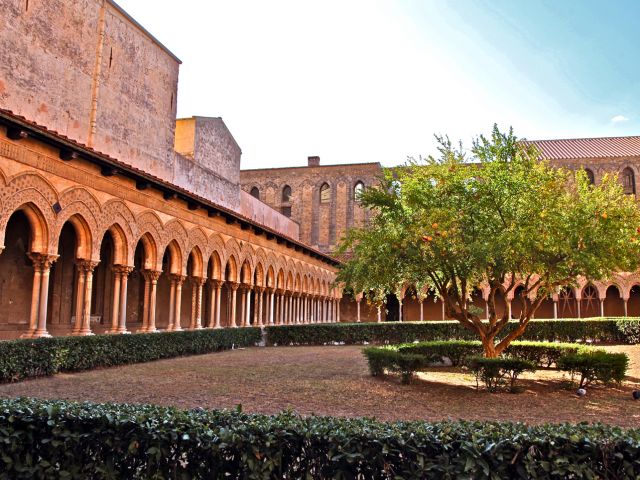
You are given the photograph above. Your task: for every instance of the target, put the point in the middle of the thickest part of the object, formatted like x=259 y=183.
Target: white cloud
x=619 y=119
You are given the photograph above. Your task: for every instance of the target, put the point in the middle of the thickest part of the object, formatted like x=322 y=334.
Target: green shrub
x=595 y=366
x=455 y=350
x=54 y=439
x=541 y=354
x=630 y=329
x=21 y=359
x=496 y=372
x=563 y=330
x=383 y=359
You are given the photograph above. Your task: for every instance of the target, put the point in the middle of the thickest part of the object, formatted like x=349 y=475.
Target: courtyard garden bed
x=335 y=380
x=589 y=364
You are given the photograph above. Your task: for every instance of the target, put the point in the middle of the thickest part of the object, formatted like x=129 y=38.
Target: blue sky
x=372 y=80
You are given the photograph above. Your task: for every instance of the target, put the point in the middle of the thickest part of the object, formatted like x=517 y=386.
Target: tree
x=503 y=220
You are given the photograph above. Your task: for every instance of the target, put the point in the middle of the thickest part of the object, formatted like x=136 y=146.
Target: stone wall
x=322 y=225
x=89 y=72
x=263 y=214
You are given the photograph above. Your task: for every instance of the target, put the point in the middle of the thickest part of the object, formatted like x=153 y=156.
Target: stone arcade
x=114 y=217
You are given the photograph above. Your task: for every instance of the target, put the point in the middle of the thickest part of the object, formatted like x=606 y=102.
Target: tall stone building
x=298 y=192
x=115 y=217
x=321 y=199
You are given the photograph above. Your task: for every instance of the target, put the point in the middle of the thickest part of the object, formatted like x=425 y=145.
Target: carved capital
x=122 y=269
x=216 y=283
x=197 y=281
x=42 y=261
x=151 y=275
x=86 y=266
x=177 y=279
x=233 y=285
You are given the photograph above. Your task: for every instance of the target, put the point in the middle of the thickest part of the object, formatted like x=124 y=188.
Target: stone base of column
x=82 y=333
x=28 y=334
x=174 y=328
x=41 y=334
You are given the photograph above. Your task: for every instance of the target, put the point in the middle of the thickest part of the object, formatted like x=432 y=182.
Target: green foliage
x=21 y=359
x=434 y=352
x=55 y=439
x=390 y=359
x=596 y=366
x=498 y=372
x=540 y=354
x=448 y=225
x=564 y=330
x=630 y=329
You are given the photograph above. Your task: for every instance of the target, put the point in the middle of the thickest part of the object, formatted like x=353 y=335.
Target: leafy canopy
x=502 y=220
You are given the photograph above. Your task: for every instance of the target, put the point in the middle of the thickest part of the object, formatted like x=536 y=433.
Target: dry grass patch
x=335 y=381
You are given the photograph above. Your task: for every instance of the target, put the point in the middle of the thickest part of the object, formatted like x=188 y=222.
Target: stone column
x=211 y=318
x=115 y=310
x=257 y=307
x=124 y=272
x=602 y=307
x=625 y=301
x=379 y=314
x=400 y=310
x=358 y=310
x=271 y=305
x=555 y=309
x=233 y=286
x=247 y=319
x=149 y=300
x=77 y=329
x=421 y=302
x=83 y=297
x=277 y=296
x=35 y=295
x=243 y=303
x=176 y=296
x=40 y=294
x=509 y=314
x=217 y=285
x=196 y=302
x=338 y=310
x=444 y=314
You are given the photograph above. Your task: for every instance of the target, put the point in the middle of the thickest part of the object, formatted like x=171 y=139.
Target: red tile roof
x=603 y=147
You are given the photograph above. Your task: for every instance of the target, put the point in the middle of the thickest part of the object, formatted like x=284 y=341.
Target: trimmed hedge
x=596 y=366
x=495 y=372
x=542 y=354
x=630 y=329
x=382 y=359
x=21 y=359
x=54 y=439
x=605 y=330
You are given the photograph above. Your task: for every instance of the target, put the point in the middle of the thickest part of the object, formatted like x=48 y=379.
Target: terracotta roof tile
x=603 y=147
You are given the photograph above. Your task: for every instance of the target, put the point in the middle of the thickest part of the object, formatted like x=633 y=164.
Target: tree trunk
x=489 y=348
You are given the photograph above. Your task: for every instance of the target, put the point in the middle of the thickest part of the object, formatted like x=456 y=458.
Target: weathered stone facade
x=323 y=221
x=112 y=219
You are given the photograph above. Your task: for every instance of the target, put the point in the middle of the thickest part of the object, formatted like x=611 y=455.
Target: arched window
x=590 y=176
x=286 y=194
x=255 y=193
x=357 y=191
x=325 y=193
x=628 y=181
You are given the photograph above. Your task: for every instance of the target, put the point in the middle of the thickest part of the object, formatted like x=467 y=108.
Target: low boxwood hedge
x=564 y=330
x=496 y=373
x=54 y=439
x=595 y=366
x=541 y=354
x=21 y=359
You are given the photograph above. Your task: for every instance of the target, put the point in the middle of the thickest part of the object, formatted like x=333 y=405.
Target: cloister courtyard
x=334 y=380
